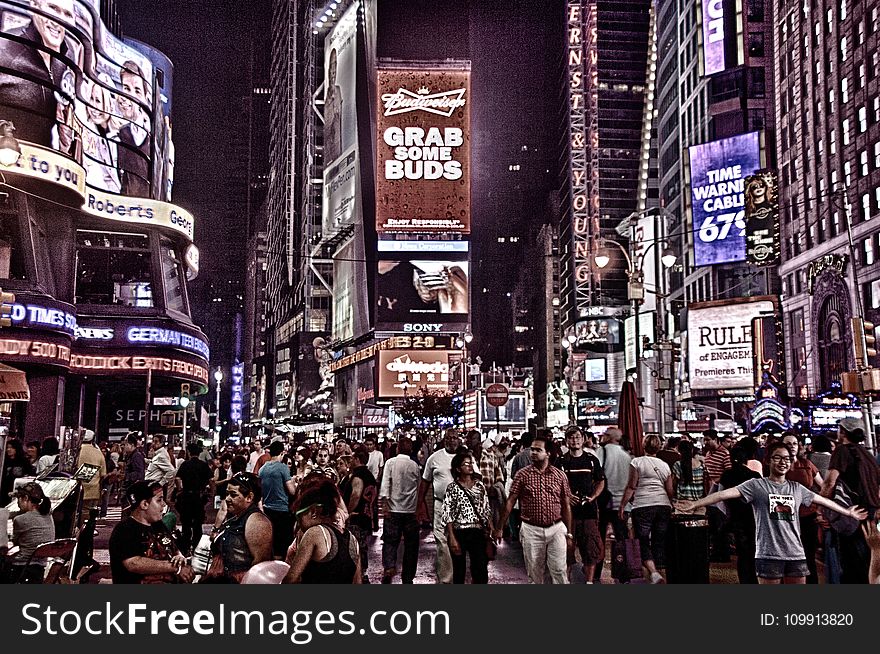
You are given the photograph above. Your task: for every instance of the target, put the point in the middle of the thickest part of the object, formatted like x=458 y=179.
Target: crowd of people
x=780 y=504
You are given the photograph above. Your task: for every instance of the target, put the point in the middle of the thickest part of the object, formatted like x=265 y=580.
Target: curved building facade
x=97 y=256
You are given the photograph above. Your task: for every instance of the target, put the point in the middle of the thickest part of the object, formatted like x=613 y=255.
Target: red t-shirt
x=804 y=472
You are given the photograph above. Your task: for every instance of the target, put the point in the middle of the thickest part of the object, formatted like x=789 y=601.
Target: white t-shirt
x=650 y=490
x=438 y=471
x=375 y=462
x=252 y=460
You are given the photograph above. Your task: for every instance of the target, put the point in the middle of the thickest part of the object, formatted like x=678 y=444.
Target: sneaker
x=656 y=578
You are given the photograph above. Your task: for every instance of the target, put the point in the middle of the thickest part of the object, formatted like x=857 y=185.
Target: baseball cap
x=31 y=490
x=852 y=426
x=142 y=490
x=88 y=436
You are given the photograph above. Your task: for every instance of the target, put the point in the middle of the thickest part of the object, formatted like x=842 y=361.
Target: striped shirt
x=541 y=494
x=716 y=462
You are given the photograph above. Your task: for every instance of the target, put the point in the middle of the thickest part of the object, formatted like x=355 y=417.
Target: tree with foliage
x=431 y=411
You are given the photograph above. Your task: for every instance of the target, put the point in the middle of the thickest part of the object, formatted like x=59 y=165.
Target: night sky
x=209 y=44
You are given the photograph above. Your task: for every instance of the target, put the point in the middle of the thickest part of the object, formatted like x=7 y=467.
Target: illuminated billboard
x=598 y=331
x=68 y=84
x=403 y=373
x=423 y=181
x=718 y=170
x=341 y=200
x=713 y=36
x=762 y=218
x=424 y=290
x=720 y=344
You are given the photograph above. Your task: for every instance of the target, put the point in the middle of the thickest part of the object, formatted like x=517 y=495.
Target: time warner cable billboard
x=718 y=171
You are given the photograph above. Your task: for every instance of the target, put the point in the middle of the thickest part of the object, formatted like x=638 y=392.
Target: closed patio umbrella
x=630 y=420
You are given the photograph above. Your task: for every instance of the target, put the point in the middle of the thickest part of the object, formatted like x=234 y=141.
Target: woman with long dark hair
x=15 y=466
x=49 y=458
x=468 y=520
x=688 y=473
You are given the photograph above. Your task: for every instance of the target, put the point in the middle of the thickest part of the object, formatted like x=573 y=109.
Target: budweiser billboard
x=423 y=150
x=404 y=372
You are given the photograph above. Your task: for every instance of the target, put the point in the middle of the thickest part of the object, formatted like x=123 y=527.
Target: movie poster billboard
x=720 y=344
x=718 y=170
x=341 y=199
x=92 y=102
x=762 y=218
x=422 y=286
x=598 y=333
x=403 y=373
x=423 y=150
x=350 y=303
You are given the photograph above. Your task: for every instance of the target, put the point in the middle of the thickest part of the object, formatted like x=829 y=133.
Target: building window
x=863 y=120
x=866 y=207
x=847 y=174
x=831 y=101
x=756 y=44
x=844 y=90
x=755 y=11
x=868 y=246
x=863 y=162
x=172 y=276
x=756 y=83
x=113 y=268
x=843 y=48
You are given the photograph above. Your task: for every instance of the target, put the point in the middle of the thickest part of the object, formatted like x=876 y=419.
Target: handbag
x=491 y=547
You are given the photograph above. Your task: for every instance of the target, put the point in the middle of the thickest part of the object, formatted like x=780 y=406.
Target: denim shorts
x=774 y=569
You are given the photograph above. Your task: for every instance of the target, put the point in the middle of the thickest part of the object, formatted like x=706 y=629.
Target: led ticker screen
x=94 y=101
x=718 y=171
x=423 y=151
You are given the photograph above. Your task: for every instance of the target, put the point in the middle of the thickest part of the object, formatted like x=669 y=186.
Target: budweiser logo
x=442 y=104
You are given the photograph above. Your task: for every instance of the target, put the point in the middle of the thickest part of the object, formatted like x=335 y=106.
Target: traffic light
x=6 y=302
x=863 y=340
x=184 y=391
x=676 y=352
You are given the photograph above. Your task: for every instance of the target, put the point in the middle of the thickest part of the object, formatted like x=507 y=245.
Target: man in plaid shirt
x=490 y=468
x=546 y=534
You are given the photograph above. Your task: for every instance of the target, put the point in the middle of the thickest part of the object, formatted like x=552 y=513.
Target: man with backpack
x=852 y=464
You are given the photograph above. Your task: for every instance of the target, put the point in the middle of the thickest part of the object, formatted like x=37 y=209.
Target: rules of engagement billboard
x=423 y=151
x=718 y=171
x=720 y=351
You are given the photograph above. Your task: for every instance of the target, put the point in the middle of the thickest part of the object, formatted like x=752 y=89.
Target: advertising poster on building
x=762 y=218
x=341 y=201
x=721 y=37
x=597 y=333
x=424 y=288
x=94 y=101
x=720 y=354
x=423 y=150
x=646 y=335
x=350 y=303
x=718 y=171
x=404 y=373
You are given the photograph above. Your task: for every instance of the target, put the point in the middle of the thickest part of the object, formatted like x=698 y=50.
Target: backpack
x=845 y=497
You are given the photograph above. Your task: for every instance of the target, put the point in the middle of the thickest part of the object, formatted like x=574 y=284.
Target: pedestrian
x=325 y=554
x=277 y=488
x=689 y=480
x=256 y=453
x=716 y=460
x=221 y=474
x=468 y=520
x=780 y=556
x=669 y=452
x=49 y=455
x=399 y=490
x=302 y=460
x=587 y=481
x=142 y=550
x=90 y=454
x=359 y=492
x=190 y=494
x=245 y=536
x=650 y=488
x=133 y=461
x=740 y=519
x=161 y=467
x=804 y=472
x=857 y=468
x=546 y=532
x=32 y=527
x=615 y=465
x=323 y=464
x=15 y=466
x=264 y=455
x=489 y=468
x=436 y=476
x=821 y=454
x=521 y=459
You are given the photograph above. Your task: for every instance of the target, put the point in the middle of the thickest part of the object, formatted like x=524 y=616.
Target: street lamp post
x=218 y=377
x=462 y=343
x=184 y=403
x=636 y=294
